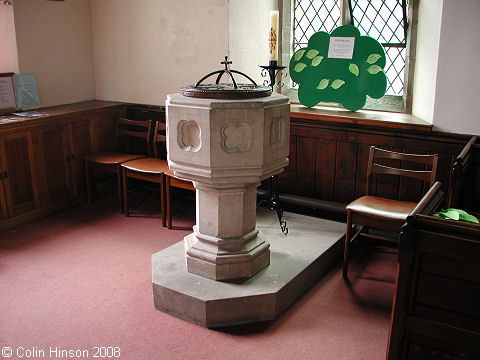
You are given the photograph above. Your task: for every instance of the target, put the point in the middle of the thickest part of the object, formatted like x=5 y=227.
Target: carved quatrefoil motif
x=188 y=135
x=236 y=137
x=276 y=128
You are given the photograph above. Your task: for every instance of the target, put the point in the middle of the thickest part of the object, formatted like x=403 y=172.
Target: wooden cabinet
x=62 y=167
x=19 y=190
x=41 y=159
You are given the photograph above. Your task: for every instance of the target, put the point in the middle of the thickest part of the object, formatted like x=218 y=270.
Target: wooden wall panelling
x=103 y=128
x=362 y=161
x=385 y=185
x=305 y=182
x=145 y=112
x=412 y=189
x=148 y=112
x=345 y=171
x=79 y=146
x=315 y=141
x=287 y=178
x=325 y=169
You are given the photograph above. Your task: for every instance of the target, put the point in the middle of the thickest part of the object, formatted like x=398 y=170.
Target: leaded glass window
x=384 y=20
x=313 y=16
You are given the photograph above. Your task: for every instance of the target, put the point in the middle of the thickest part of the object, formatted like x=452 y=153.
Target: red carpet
x=82 y=279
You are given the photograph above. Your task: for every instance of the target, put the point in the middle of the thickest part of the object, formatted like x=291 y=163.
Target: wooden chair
x=380 y=213
x=127 y=132
x=172 y=181
x=149 y=169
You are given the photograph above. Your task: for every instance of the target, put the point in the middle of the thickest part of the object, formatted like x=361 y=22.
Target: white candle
x=273 y=35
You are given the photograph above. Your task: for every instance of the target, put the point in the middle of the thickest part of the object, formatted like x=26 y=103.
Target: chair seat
x=147 y=165
x=172 y=175
x=111 y=157
x=382 y=208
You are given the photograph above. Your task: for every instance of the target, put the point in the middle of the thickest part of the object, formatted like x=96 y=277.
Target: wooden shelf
x=389 y=120
x=55 y=112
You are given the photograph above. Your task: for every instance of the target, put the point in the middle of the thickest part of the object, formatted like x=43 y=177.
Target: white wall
x=146 y=49
x=8 y=45
x=458 y=72
x=142 y=50
x=54 y=40
x=428 y=40
x=249 y=31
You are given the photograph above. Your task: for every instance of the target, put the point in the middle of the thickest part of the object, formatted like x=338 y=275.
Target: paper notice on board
x=341 y=47
x=26 y=90
x=7 y=93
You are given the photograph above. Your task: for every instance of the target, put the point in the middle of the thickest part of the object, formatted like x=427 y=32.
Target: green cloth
x=456 y=214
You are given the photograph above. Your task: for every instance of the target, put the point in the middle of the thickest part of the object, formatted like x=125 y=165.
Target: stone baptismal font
x=226 y=138
x=227 y=146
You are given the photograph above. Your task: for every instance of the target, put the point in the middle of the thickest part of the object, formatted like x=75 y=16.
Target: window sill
x=362 y=118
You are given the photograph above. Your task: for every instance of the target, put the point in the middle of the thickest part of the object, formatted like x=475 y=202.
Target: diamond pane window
x=385 y=20
x=311 y=16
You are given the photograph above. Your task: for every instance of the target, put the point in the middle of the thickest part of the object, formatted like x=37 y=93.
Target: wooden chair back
x=130 y=131
x=429 y=163
x=159 y=137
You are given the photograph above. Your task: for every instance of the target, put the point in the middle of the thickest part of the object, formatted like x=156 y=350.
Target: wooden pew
x=436 y=310
x=465 y=179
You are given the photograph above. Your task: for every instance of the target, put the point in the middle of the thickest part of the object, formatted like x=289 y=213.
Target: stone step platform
x=297 y=261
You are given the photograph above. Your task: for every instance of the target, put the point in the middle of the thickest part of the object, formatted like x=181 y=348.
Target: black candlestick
x=272 y=71
x=273 y=200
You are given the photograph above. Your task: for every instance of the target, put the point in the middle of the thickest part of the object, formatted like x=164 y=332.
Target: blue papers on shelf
x=30 y=114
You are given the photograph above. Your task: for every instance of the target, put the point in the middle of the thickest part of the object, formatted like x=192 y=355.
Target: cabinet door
x=55 y=168
x=79 y=145
x=19 y=182
x=3 y=200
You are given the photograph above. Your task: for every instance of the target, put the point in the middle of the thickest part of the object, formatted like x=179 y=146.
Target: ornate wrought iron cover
x=226 y=90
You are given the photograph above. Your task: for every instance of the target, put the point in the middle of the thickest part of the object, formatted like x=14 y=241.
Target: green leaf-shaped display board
x=340 y=80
